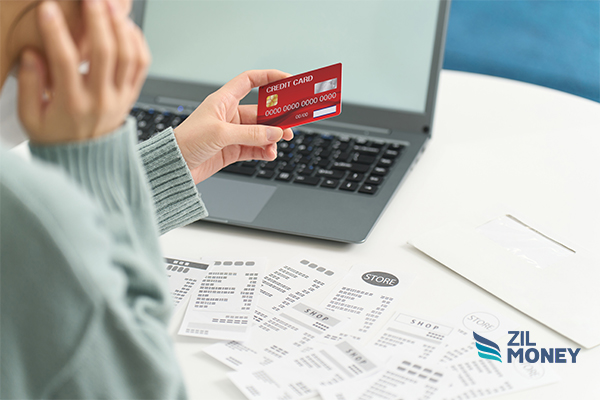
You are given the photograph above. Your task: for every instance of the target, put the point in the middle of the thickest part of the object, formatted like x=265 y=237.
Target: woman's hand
x=59 y=104
x=220 y=131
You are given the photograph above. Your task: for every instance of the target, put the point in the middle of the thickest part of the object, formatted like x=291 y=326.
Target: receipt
x=299 y=376
x=479 y=378
x=401 y=378
x=299 y=280
x=473 y=317
x=424 y=337
x=275 y=336
x=224 y=301
x=368 y=296
x=183 y=277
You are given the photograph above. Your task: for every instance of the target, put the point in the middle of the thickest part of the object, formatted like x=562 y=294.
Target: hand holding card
x=300 y=99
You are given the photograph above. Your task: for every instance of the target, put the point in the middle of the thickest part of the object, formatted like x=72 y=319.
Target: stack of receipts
x=304 y=329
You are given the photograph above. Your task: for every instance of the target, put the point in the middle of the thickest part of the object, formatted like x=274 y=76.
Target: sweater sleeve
x=176 y=198
x=84 y=297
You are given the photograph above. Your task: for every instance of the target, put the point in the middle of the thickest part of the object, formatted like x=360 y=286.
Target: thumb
x=31 y=87
x=253 y=135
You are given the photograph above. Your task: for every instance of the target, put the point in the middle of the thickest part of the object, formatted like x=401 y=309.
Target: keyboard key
x=374 y=180
x=271 y=165
x=289 y=167
x=176 y=121
x=379 y=171
x=251 y=164
x=238 y=169
x=362 y=159
x=379 y=145
x=284 y=147
x=373 y=151
x=330 y=183
x=391 y=153
x=344 y=166
x=341 y=156
x=362 y=168
x=349 y=186
x=265 y=174
x=306 y=170
x=355 y=177
x=368 y=189
x=307 y=180
x=325 y=153
x=324 y=163
x=284 y=176
x=385 y=162
x=305 y=160
x=328 y=173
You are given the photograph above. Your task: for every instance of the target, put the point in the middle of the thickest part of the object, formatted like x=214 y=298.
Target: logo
x=521 y=349
x=487 y=349
x=380 y=278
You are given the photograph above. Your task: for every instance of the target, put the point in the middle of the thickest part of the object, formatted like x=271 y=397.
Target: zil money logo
x=487 y=349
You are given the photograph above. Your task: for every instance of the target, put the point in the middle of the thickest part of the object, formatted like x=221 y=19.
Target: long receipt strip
x=184 y=276
x=224 y=301
x=300 y=376
x=368 y=296
x=275 y=336
x=299 y=280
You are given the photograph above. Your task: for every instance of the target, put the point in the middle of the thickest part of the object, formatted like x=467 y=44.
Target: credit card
x=303 y=98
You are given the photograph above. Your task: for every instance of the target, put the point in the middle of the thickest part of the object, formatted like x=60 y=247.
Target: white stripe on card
x=324 y=111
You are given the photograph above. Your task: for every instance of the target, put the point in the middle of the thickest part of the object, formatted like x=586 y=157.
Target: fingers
x=143 y=59
x=102 y=44
x=241 y=85
x=31 y=88
x=250 y=135
x=126 y=47
x=61 y=51
x=288 y=134
x=248 y=115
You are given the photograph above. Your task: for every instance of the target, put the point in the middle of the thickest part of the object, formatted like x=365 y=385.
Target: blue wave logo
x=487 y=349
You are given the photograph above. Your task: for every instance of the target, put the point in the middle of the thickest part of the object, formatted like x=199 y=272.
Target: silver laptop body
x=391 y=52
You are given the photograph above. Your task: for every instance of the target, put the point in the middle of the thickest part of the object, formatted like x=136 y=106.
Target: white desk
x=497 y=145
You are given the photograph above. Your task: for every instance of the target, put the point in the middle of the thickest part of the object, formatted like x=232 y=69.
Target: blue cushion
x=550 y=43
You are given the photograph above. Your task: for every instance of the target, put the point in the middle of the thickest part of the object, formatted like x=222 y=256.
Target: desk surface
x=498 y=146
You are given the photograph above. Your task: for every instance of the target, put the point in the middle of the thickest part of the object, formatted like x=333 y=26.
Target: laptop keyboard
x=326 y=161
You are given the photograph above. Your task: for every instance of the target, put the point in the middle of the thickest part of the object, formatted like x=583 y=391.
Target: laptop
x=334 y=180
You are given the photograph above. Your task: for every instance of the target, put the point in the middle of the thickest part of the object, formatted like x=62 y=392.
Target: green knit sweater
x=84 y=303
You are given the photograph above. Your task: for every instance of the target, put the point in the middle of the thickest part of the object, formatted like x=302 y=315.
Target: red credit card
x=300 y=99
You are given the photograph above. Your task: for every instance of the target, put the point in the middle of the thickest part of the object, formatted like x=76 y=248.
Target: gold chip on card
x=272 y=100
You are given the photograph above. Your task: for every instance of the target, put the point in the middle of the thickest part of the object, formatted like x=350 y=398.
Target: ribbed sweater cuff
x=175 y=195
x=106 y=167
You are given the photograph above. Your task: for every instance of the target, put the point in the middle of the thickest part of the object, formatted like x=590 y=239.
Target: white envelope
x=552 y=281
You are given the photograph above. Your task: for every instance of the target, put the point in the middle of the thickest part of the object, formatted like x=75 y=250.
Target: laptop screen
x=385 y=47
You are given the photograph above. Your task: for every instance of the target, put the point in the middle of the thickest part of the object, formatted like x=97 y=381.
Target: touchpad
x=234 y=200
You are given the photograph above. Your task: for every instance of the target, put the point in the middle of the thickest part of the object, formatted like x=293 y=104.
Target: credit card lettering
x=300 y=99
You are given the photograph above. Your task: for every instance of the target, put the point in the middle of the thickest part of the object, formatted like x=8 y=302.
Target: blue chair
x=549 y=43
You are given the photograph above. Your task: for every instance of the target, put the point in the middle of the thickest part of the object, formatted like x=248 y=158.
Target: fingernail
x=49 y=10
x=273 y=134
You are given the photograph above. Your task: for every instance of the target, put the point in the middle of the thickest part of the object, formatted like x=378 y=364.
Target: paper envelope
x=552 y=281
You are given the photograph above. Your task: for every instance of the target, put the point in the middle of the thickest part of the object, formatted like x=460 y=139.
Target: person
x=83 y=293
